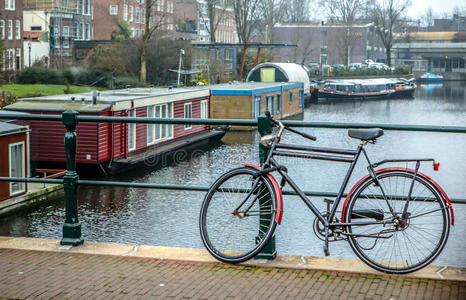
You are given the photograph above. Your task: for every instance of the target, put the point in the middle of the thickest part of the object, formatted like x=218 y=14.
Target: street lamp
x=179 y=67
x=29 y=46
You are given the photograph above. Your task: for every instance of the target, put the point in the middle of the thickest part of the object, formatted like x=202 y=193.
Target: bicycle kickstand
x=326 y=251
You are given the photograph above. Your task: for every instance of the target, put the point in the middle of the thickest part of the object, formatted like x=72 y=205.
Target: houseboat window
x=188 y=114
x=278 y=103
x=131 y=132
x=159 y=132
x=269 y=104
x=301 y=98
x=291 y=97
x=17 y=167
x=257 y=106
x=204 y=109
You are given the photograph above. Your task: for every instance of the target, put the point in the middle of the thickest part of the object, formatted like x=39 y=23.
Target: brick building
x=60 y=22
x=325 y=43
x=109 y=13
x=11 y=19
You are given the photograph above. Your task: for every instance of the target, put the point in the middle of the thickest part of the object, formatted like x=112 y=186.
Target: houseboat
x=380 y=88
x=248 y=100
x=115 y=147
x=430 y=78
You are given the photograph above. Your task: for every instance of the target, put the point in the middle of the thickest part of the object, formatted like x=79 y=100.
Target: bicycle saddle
x=365 y=134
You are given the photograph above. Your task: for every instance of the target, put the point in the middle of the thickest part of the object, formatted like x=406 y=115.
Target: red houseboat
x=113 y=147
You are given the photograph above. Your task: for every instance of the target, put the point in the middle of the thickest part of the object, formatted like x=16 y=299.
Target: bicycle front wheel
x=238 y=215
x=392 y=242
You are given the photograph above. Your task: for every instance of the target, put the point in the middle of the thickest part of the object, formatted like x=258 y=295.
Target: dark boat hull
x=347 y=96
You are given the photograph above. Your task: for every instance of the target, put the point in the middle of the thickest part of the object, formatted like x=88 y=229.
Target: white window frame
x=22 y=185
x=10 y=30
x=87 y=28
x=159 y=132
x=9 y=4
x=188 y=114
x=2 y=29
x=113 y=10
x=131 y=13
x=125 y=12
x=204 y=109
x=132 y=131
x=18 y=29
x=18 y=58
x=137 y=15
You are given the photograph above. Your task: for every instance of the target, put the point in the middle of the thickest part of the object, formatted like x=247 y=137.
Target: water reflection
x=170 y=218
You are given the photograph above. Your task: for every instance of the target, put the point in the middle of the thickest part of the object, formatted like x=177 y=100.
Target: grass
x=37 y=90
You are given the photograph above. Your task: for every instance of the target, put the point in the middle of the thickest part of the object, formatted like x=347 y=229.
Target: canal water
x=170 y=218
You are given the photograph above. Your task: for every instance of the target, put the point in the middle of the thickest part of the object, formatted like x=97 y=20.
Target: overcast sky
x=419 y=7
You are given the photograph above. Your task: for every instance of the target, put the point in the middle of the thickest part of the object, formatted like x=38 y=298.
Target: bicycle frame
x=330 y=154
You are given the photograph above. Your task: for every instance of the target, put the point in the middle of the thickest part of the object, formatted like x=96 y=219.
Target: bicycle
x=396 y=220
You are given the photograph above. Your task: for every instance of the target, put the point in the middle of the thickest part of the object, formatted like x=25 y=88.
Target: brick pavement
x=54 y=275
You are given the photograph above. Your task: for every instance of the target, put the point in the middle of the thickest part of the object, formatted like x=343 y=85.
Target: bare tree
x=345 y=12
x=272 y=12
x=427 y=20
x=297 y=11
x=245 y=14
x=388 y=15
x=214 y=11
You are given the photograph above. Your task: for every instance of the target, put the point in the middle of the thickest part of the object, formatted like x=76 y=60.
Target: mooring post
x=264 y=127
x=72 y=227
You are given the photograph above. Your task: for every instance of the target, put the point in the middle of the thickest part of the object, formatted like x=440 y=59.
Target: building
x=251 y=99
x=51 y=26
x=11 y=35
x=437 y=52
x=328 y=43
x=193 y=22
x=457 y=23
x=110 y=13
x=116 y=146
x=14 y=149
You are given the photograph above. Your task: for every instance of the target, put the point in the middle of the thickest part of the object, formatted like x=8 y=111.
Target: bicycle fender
x=424 y=176
x=278 y=192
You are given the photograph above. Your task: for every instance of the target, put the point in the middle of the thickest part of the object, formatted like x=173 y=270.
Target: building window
x=131 y=13
x=10 y=29
x=269 y=104
x=125 y=12
x=2 y=29
x=87 y=7
x=88 y=31
x=188 y=114
x=17 y=167
x=159 y=132
x=278 y=103
x=113 y=10
x=301 y=98
x=79 y=6
x=81 y=31
x=291 y=97
x=257 y=106
x=66 y=35
x=131 y=132
x=204 y=109
x=18 y=29
x=137 y=15
x=18 y=59
x=10 y=4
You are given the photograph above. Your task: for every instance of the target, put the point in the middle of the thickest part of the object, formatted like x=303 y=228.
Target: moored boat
x=430 y=78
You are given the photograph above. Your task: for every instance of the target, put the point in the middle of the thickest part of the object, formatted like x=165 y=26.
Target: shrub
x=40 y=75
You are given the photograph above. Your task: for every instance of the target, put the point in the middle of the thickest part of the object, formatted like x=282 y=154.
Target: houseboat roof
x=114 y=99
x=251 y=88
x=8 y=128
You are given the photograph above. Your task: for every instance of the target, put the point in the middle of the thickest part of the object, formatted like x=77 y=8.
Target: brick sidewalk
x=32 y=274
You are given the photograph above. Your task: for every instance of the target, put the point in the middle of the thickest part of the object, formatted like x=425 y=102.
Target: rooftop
x=8 y=128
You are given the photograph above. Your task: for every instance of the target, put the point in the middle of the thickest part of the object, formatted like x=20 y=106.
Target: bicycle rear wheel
x=238 y=215
x=393 y=243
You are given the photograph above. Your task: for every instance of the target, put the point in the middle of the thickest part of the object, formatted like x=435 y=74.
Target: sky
x=419 y=7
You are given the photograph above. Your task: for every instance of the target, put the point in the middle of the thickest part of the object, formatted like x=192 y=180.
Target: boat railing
x=70 y=119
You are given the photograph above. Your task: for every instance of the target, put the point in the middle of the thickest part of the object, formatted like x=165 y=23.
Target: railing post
x=72 y=227
x=264 y=127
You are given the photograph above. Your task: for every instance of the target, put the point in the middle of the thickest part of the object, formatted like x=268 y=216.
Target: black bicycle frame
x=330 y=154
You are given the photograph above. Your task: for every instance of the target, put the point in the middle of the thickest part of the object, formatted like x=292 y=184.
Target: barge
x=116 y=147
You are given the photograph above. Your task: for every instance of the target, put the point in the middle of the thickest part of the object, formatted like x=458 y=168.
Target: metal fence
x=72 y=227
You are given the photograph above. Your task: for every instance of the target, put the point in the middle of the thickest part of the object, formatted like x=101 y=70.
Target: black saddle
x=365 y=134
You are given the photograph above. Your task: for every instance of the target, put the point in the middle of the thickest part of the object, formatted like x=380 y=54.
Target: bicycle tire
x=236 y=238
x=398 y=248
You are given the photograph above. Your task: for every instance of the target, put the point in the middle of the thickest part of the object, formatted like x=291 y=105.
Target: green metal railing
x=70 y=119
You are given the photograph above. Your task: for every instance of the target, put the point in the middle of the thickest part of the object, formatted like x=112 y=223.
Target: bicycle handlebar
x=305 y=135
